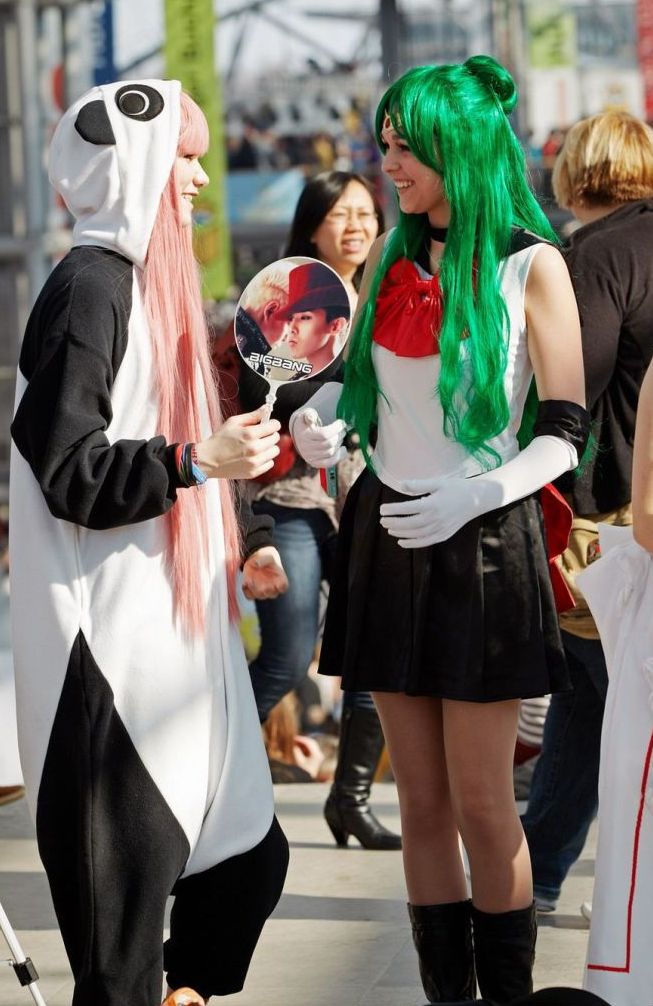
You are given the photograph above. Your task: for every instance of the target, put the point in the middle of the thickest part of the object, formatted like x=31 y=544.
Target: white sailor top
x=407 y=366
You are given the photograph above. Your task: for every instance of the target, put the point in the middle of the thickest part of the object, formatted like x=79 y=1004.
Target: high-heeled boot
x=347 y=810
x=504 y=950
x=442 y=935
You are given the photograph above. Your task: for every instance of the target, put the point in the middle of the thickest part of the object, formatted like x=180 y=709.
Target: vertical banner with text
x=104 y=67
x=190 y=58
x=645 y=53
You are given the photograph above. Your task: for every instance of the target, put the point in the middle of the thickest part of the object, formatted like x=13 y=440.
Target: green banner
x=190 y=58
x=552 y=35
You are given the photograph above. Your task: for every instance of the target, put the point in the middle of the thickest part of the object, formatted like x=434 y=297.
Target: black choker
x=438 y=233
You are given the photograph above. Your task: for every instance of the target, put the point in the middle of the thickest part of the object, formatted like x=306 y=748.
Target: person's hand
x=320 y=446
x=308 y=754
x=452 y=502
x=243 y=448
x=263 y=575
x=448 y=505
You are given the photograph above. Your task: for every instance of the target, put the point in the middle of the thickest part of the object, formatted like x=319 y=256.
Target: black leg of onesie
x=218 y=915
x=111 y=846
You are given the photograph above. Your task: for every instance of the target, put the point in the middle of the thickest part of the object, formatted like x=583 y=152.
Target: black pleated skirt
x=472 y=618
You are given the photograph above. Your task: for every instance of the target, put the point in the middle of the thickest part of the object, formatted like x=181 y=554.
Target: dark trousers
x=564 y=792
x=218 y=915
x=290 y=623
x=215 y=923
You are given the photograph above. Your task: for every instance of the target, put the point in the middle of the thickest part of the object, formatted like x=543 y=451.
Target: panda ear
x=93 y=125
x=140 y=101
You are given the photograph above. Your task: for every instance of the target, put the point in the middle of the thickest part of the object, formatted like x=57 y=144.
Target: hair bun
x=496 y=78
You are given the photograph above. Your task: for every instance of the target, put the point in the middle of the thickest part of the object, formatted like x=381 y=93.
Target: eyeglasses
x=350 y=213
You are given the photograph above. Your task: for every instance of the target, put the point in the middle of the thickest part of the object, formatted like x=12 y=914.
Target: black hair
x=335 y=311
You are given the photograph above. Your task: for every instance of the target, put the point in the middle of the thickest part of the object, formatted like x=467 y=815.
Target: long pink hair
x=180 y=339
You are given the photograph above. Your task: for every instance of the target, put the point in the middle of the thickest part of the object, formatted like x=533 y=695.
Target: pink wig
x=173 y=304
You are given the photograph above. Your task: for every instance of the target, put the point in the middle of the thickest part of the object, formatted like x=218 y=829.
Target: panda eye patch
x=139 y=101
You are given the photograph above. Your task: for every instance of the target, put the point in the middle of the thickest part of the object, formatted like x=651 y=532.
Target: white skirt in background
x=619 y=590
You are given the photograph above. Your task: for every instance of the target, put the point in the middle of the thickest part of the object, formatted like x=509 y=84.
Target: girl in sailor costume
x=138 y=730
x=443 y=605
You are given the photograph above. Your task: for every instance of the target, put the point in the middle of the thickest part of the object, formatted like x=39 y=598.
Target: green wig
x=454 y=119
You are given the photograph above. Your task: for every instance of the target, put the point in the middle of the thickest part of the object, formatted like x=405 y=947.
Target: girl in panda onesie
x=139 y=737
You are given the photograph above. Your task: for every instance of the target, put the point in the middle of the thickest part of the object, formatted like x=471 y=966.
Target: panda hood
x=110 y=160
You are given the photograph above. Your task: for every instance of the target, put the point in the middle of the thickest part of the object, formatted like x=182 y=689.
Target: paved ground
x=338 y=938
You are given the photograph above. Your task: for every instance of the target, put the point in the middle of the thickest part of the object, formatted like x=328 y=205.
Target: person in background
x=139 y=739
x=336 y=220
x=441 y=603
x=293 y=757
x=604 y=175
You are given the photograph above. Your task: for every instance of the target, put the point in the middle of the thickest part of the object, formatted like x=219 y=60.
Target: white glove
x=321 y=446
x=450 y=503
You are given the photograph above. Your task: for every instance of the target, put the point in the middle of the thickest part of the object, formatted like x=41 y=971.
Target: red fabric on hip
x=557 y=525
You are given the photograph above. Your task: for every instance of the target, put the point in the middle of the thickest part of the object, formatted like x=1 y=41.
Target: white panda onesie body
x=141 y=747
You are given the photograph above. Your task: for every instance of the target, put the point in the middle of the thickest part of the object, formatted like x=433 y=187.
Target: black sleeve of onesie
x=255 y=529
x=567 y=420
x=70 y=358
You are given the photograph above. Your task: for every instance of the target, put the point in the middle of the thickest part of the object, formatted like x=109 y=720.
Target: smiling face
x=346 y=233
x=419 y=187
x=312 y=338
x=190 y=177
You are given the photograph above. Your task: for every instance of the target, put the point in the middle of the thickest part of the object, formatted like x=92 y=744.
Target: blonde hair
x=270 y=284
x=605 y=159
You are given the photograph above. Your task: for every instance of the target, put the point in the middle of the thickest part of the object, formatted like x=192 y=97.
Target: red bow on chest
x=408 y=311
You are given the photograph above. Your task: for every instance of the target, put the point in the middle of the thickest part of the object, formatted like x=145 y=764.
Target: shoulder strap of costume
x=521 y=239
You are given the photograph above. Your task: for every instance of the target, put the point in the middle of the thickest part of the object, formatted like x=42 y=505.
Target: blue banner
x=104 y=70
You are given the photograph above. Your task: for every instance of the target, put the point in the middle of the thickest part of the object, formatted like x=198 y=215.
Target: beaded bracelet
x=190 y=473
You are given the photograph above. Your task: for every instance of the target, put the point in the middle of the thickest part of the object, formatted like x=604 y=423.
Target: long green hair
x=454 y=120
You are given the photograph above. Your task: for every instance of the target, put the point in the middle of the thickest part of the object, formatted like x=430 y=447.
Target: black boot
x=504 y=949
x=347 y=810
x=442 y=935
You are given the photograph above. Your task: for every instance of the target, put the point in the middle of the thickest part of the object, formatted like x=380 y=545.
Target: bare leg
x=479 y=739
x=414 y=736
x=439 y=908
x=468 y=789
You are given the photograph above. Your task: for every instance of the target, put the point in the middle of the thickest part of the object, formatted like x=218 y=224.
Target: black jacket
x=611 y=265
